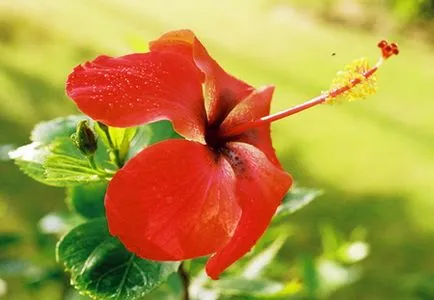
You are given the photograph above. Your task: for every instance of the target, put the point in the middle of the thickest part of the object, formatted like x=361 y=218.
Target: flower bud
x=84 y=139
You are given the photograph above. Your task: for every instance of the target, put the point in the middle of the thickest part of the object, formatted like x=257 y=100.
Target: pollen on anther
x=354 y=79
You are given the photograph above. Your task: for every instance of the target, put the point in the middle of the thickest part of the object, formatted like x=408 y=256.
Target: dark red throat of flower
x=358 y=77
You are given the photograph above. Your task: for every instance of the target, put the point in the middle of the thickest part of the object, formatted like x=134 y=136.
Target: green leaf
x=64 y=170
x=88 y=200
x=55 y=164
x=259 y=262
x=121 y=138
x=51 y=168
x=162 y=130
x=117 y=141
x=310 y=276
x=102 y=268
x=46 y=132
x=30 y=159
x=53 y=159
x=140 y=140
x=296 y=199
x=332 y=275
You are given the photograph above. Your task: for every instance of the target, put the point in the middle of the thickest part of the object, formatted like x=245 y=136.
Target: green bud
x=84 y=139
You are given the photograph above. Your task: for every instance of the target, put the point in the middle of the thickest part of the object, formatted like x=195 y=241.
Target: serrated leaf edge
x=89 y=294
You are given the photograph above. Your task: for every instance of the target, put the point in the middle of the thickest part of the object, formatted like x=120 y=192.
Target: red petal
x=255 y=106
x=175 y=200
x=141 y=88
x=222 y=91
x=260 y=188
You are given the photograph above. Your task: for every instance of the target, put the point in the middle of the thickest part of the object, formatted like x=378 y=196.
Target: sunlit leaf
x=333 y=275
x=310 y=276
x=200 y=287
x=259 y=262
x=88 y=199
x=30 y=159
x=331 y=240
x=116 y=139
x=140 y=140
x=296 y=199
x=162 y=130
x=53 y=159
x=46 y=132
x=62 y=170
x=102 y=268
x=121 y=138
x=53 y=167
x=351 y=253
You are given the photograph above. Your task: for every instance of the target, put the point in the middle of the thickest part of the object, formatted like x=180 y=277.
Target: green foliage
x=121 y=138
x=257 y=264
x=310 y=276
x=62 y=153
x=53 y=159
x=46 y=132
x=160 y=131
x=102 y=268
x=140 y=140
x=294 y=200
x=369 y=189
x=117 y=140
x=87 y=200
x=52 y=166
x=150 y=134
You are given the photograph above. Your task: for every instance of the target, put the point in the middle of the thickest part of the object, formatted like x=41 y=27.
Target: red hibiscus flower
x=208 y=194
x=213 y=193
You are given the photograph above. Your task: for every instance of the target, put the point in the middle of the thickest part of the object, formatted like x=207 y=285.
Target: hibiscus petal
x=253 y=107
x=175 y=200
x=260 y=188
x=141 y=88
x=222 y=91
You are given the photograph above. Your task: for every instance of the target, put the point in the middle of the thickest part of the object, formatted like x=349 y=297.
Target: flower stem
x=116 y=158
x=92 y=164
x=185 y=281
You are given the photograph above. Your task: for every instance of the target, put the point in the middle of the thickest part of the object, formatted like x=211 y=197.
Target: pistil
x=387 y=50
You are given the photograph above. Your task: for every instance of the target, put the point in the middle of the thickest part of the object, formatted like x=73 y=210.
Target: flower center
x=213 y=138
x=355 y=82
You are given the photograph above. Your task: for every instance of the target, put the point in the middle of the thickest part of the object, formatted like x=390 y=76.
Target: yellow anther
x=354 y=81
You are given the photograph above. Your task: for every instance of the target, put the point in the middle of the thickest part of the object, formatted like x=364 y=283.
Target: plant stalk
x=185 y=281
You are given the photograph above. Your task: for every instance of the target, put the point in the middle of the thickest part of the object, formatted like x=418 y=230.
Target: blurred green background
x=374 y=159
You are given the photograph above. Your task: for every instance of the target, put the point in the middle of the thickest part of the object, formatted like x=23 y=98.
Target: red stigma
x=387 y=50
